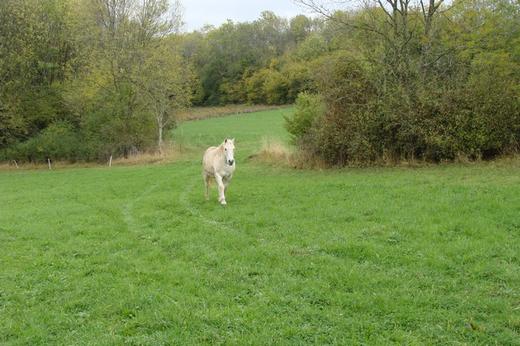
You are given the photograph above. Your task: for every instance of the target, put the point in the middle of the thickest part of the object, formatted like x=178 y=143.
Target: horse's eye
x=225 y=149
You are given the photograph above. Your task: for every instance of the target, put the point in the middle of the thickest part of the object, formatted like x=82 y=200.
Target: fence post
x=110 y=161
x=49 y=163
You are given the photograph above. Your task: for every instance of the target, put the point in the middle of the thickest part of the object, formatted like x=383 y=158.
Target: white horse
x=219 y=163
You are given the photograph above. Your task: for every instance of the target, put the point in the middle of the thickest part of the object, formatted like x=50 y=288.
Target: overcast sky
x=215 y=12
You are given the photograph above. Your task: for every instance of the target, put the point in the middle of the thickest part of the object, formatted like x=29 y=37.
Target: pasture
x=135 y=255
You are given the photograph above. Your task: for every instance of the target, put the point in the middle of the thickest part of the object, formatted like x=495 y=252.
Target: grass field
x=134 y=255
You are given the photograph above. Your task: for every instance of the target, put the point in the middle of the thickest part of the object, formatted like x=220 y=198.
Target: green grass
x=248 y=129
x=134 y=255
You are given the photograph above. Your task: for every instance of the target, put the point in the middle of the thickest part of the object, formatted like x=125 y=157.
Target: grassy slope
x=135 y=255
x=248 y=129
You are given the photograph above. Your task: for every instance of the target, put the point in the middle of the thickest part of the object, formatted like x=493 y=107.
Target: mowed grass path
x=134 y=255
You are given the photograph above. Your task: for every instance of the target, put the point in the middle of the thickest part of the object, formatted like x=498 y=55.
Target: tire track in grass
x=183 y=199
x=127 y=208
x=133 y=225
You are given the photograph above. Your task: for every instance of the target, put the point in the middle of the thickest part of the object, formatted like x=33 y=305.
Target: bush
x=107 y=131
x=313 y=47
x=276 y=88
x=254 y=86
x=347 y=130
x=58 y=141
x=299 y=79
x=477 y=116
x=308 y=108
x=267 y=86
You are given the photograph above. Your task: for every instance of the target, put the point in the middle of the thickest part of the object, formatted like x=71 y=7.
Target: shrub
x=276 y=88
x=308 y=108
x=346 y=130
x=58 y=141
x=254 y=86
x=476 y=115
x=107 y=132
x=313 y=47
x=299 y=79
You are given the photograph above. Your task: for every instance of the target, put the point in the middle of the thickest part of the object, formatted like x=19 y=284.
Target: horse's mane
x=220 y=148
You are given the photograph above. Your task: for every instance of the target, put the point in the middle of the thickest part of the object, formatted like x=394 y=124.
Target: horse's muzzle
x=230 y=162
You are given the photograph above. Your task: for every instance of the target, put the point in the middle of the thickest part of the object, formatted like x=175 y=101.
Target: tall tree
x=390 y=29
x=128 y=36
x=166 y=82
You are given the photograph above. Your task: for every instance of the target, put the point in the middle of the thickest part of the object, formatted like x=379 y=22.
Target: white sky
x=197 y=13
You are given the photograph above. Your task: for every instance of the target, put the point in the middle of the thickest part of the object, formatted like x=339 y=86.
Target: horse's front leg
x=221 y=189
x=226 y=181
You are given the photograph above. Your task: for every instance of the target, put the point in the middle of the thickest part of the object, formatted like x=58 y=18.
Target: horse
x=219 y=163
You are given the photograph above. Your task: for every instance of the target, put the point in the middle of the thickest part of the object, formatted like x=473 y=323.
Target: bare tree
x=395 y=22
x=158 y=18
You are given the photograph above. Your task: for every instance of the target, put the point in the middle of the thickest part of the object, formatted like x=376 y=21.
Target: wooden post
x=15 y=163
x=110 y=161
x=49 y=162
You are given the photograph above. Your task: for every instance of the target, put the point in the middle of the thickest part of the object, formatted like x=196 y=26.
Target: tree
x=300 y=27
x=166 y=81
x=129 y=37
x=421 y=79
x=35 y=55
x=233 y=52
x=392 y=26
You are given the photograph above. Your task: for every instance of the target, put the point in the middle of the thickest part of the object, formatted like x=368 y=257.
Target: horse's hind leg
x=206 y=185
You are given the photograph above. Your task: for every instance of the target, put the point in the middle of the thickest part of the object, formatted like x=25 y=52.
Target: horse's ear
x=232 y=140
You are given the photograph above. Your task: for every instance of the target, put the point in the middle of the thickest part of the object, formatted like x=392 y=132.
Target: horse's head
x=229 y=151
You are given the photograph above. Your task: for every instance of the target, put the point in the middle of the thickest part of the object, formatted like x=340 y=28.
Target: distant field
x=134 y=255
x=197 y=113
x=248 y=130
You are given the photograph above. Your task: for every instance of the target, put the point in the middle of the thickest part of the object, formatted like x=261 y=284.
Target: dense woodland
x=385 y=80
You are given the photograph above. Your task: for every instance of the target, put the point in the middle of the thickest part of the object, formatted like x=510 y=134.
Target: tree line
x=398 y=79
x=415 y=80
x=88 y=79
